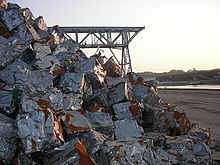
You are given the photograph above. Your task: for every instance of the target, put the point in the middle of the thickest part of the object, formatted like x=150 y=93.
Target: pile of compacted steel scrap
x=60 y=107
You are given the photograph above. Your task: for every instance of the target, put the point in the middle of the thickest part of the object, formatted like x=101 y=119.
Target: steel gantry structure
x=105 y=37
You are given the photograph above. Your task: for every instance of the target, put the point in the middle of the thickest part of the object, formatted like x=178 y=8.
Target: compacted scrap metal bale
x=57 y=106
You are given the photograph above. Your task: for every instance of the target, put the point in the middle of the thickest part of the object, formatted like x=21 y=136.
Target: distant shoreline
x=188 y=89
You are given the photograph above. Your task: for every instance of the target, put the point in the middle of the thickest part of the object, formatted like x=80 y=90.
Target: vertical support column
x=77 y=38
x=125 y=60
x=129 y=60
x=122 y=62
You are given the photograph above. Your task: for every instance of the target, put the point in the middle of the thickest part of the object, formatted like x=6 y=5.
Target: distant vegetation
x=180 y=75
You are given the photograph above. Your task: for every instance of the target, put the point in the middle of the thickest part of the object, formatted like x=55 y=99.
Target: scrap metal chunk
x=90 y=66
x=74 y=122
x=126 y=129
x=8 y=139
x=10 y=50
x=117 y=94
x=72 y=82
x=12 y=18
x=112 y=68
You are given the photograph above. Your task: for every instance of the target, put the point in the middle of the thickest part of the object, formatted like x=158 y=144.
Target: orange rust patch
x=68 y=117
x=60 y=71
x=81 y=111
x=34 y=144
x=75 y=128
x=117 y=146
x=165 y=160
x=177 y=155
x=106 y=110
x=51 y=42
x=133 y=101
x=49 y=54
x=44 y=104
x=96 y=108
x=3 y=86
x=85 y=159
x=176 y=115
x=134 y=110
x=183 y=121
x=4 y=32
x=131 y=80
x=140 y=80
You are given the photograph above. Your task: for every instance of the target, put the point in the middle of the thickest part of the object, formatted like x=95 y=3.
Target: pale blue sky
x=179 y=34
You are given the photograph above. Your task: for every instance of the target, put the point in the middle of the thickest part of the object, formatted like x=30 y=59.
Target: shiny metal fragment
x=112 y=68
x=65 y=154
x=113 y=81
x=61 y=101
x=68 y=46
x=8 y=139
x=41 y=50
x=28 y=16
x=90 y=66
x=37 y=82
x=27 y=33
x=72 y=82
x=12 y=18
x=15 y=73
x=126 y=128
x=37 y=129
x=10 y=50
x=117 y=94
x=40 y=24
x=57 y=35
x=122 y=111
x=100 y=119
x=6 y=99
x=74 y=122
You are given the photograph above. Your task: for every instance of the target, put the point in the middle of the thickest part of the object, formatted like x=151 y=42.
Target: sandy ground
x=202 y=106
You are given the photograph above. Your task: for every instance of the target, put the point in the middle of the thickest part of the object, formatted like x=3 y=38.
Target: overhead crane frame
x=105 y=37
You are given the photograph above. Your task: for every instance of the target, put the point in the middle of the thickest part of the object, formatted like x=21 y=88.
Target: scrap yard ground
x=202 y=106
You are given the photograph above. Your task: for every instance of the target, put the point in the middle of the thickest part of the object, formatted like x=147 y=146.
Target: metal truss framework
x=105 y=37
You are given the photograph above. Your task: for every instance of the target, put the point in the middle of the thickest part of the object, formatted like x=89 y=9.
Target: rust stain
x=117 y=146
x=4 y=32
x=51 y=42
x=3 y=86
x=183 y=121
x=49 y=54
x=176 y=115
x=96 y=108
x=85 y=159
x=177 y=155
x=165 y=160
x=68 y=117
x=60 y=71
x=34 y=144
x=81 y=111
x=106 y=111
x=44 y=104
x=75 y=128
x=134 y=110
x=140 y=80
x=131 y=80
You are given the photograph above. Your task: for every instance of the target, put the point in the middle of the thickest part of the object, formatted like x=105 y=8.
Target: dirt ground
x=201 y=106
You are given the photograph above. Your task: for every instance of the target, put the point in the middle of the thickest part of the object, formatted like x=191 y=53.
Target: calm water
x=191 y=87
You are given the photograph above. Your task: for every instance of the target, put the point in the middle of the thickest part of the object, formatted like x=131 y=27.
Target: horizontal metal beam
x=96 y=29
